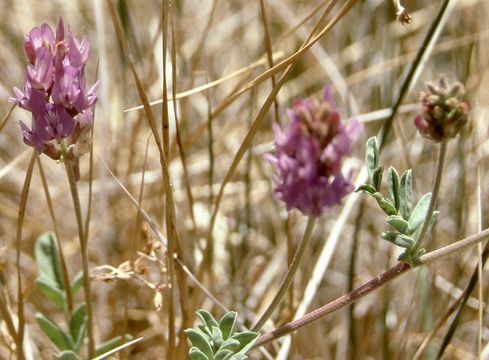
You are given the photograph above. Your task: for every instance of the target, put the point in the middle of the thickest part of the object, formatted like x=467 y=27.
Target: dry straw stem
x=198 y=89
x=370 y=286
x=181 y=147
x=269 y=49
x=6 y=117
x=19 y=339
x=174 y=244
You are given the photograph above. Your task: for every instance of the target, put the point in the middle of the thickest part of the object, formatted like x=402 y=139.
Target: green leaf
x=111 y=344
x=377 y=177
x=246 y=340
x=366 y=188
x=58 y=337
x=196 y=354
x=78 y=325
x=207 y=319
x=399 y=224
x=385 y=204
x=223 y=354
x=217 y=338
x=200 y=342
x=226 y=324
x=66 y=355
x=47 y=258
x=52 y=292
x=230 y=344
x=398 y=239
x=393 y=185
x=372 y=157
x=76 y=283
x=419 y=213
x=406 y=194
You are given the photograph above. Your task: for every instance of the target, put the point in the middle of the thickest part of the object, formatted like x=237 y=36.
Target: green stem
x=289 y=276
x=434 y=196
x=64 y=268
x=83 y=245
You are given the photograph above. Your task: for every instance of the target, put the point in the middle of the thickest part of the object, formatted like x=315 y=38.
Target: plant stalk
x=434 y=196
x=370 y=286
x=289 y=276
x=83 y=246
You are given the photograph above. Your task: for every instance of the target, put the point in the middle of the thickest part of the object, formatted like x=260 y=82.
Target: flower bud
x=443 y=111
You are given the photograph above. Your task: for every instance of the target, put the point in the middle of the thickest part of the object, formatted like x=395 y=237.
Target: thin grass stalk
x=370 y=286
x=480 y=267
x=187 y=316
x=437 y=327
x=165 y=135
x=6 y=117
x=352 y=345
x=289 y=276
x=242 y=71
x=134 y=248
x=90 y=177
x=84 y=250
x=181 y=147
x=285 y=64
x=7 y=316
x=414 y=70
x=19 y=339
x=467 y=292
x=269 y=51
x=64 y=269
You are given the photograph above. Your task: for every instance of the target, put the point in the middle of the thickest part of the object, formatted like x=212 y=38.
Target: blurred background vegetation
x=364 y=58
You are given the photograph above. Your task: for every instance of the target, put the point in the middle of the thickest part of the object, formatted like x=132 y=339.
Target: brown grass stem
x=7 y=316
x=174 y=244
x=269 y=49
x=6 y=117
x=178 y=133
x=369 y=287
x=289 y=276
x=19 y=339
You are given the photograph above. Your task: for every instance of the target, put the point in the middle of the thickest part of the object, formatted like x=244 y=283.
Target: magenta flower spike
x=56 y=91
x=308 y=156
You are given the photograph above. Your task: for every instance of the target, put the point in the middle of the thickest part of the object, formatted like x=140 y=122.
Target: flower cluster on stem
x=309 y=153
x=56 y=92
x=443 y=111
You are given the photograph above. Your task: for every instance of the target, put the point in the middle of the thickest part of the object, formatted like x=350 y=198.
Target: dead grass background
x=364 y=58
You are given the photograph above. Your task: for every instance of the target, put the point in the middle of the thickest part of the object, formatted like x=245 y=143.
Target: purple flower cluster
x=309 y=153
x=55 y=90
